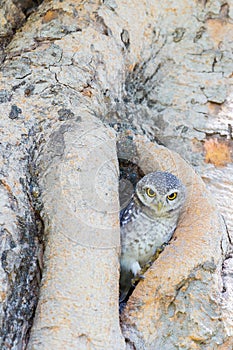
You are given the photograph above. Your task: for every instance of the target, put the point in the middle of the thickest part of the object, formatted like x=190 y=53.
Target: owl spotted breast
x=148 y=222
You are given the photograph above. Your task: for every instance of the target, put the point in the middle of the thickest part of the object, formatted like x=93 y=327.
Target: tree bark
x=79 y=184
x=161 y=70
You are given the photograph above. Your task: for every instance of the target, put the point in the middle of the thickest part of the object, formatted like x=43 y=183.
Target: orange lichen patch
x=6 y=186
x=87 y=92
x=217 y=153
x=214 y=108
x=50 y=15
x=131 y=67
x=219 y=30
x=3 y=295
x=171 y=10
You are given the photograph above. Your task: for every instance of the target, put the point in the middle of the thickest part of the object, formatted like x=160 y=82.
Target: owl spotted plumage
x=148 y=222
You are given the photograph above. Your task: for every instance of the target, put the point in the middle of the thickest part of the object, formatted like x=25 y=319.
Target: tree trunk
x=159 y=70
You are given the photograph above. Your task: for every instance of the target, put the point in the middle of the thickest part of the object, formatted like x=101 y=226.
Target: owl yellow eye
x=172 y=196
x=150 y=192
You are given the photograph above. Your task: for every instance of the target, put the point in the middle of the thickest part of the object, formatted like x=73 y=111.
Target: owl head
x=161 y=193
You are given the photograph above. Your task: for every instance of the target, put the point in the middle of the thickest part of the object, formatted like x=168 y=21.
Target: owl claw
x=135 y=268
x=137 y=278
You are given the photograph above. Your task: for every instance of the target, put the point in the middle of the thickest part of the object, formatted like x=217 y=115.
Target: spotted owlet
x=148 y=222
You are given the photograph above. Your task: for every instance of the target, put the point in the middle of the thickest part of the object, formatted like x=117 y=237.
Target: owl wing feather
x=128 y=213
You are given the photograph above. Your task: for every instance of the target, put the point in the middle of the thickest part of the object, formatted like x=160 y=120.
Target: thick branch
x=78 y=303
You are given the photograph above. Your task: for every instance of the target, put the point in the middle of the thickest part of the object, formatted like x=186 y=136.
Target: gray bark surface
x=164 y=71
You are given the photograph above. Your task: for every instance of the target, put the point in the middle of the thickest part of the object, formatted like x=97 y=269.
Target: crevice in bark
x=101 y=25
x=139 y=85
x=14 y=14
x=27 y=6
x=227 y=255
x=220 y=135
x=130 y=344
x=224 y=11
x=23 y=287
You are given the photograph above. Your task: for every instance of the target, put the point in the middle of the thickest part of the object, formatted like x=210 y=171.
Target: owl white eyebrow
x=150 y=187
x=137 y=199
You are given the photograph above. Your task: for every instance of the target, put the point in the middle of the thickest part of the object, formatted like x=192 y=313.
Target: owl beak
x=159 y=206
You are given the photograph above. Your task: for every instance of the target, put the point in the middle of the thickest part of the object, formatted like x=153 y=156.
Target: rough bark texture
x=13 y=14
x=164 y=69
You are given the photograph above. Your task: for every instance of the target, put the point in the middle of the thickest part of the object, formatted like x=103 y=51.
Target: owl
x=148 y=222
